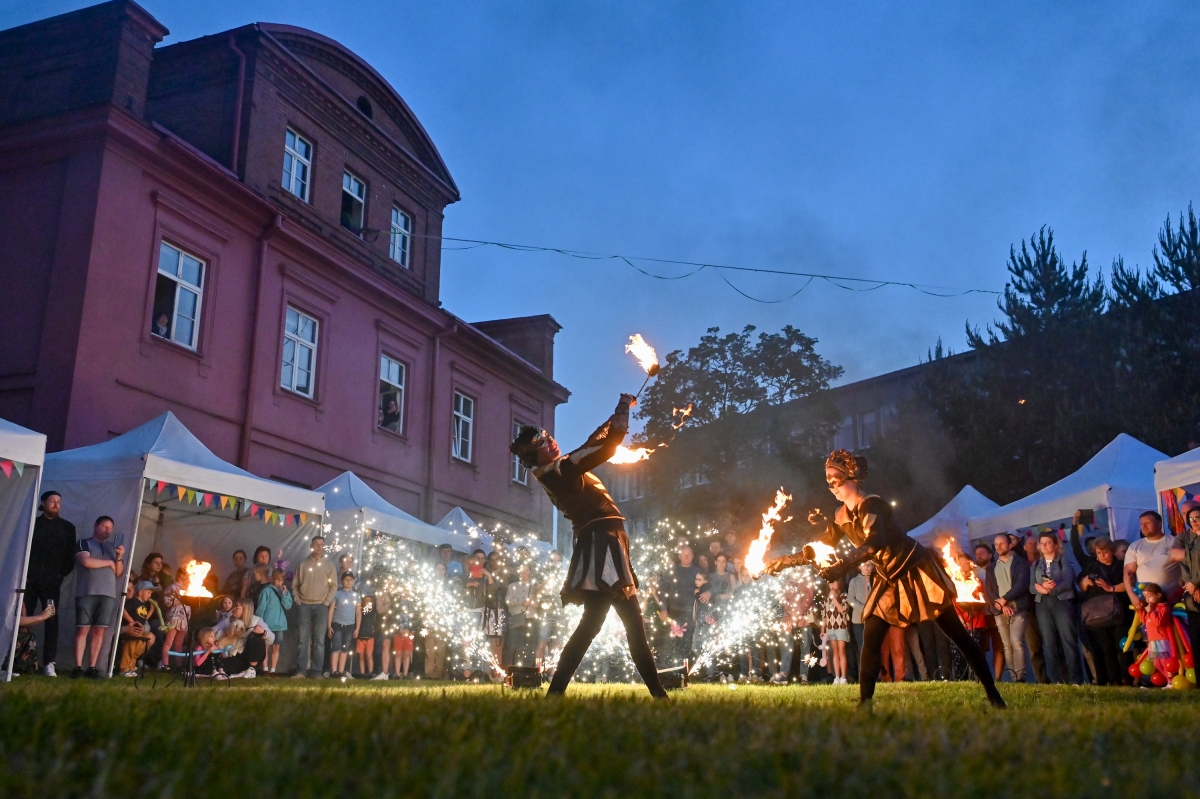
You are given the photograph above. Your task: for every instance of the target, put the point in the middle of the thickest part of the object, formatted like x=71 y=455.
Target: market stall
x=168 y=493
x=952 y=519
x=1117 y=483
x=1177 y=480
x=21 y=454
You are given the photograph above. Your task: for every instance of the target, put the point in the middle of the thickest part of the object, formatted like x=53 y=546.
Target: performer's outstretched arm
x=602 y=444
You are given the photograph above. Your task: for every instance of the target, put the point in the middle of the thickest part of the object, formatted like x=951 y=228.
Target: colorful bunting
x=6 y=466
x=181 y=491
x=20 y=467
x=161 y=485
x=191 y=496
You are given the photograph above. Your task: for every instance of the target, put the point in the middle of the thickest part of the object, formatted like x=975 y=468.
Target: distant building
x=245 y=229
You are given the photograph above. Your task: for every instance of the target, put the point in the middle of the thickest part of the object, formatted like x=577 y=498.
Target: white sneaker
x=130 y=673
x=49 y=670
x=248 y=674
x=380 y=676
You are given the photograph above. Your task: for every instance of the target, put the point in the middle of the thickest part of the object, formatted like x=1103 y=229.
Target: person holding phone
x=98 y=564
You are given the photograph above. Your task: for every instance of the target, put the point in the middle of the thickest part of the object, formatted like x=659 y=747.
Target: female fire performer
x=911 y=585
x=600 y=575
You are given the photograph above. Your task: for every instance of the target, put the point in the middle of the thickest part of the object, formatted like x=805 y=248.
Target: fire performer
x=600 y=575
x=911 y=586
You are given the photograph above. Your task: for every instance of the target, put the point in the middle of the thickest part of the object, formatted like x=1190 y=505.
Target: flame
x=758 y=547
x=626 y=454
x=822 y=553
x=197 y=570
x=645 y=354
x=683 y=414
x=966 y=584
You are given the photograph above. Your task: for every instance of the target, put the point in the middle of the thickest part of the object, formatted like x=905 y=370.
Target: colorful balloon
x=1180 y=683
x=1191 y=676
x=1147 y=667
x=1170 y=666
x=1158 y=678
x=1188 y=662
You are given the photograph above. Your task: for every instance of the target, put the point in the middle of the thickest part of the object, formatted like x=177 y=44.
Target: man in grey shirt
x=860 y=587
x=98 y=564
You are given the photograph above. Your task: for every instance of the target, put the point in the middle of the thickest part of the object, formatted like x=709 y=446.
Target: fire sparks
x=820 y=553
x=758 y=547
x=626 y=455
x=197 y=570
x=645 y=354
x=966 y=584
x=683 y=413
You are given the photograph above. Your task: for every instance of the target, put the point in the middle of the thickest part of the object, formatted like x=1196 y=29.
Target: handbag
x=1106 y=610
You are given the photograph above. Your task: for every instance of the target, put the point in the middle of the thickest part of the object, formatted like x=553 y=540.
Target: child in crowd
x=208 y=660
x=364 y=636
x=224 y=606
x=136 y=636
x=345 y=614
x=402 y=641
x=273 y=602
x=178 y=616
x=835 y=629
x=1159 y=623
x=260 y=578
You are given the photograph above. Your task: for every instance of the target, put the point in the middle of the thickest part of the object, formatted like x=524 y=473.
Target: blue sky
x=897 y=141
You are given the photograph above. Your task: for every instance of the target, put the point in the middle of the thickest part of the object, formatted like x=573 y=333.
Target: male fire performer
x=600 y=575
x=911 y=585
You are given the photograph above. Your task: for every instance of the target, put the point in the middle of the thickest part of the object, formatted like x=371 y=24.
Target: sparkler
x=758 y=547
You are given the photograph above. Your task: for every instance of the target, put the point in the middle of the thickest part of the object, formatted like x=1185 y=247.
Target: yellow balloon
x=1147 y=667
x=1191 y=676
x=1181 y=683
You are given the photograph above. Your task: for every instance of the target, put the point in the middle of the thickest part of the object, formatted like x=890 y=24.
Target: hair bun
x=853 y=466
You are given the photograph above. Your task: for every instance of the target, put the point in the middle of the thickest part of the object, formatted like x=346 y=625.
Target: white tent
x=1119 y=478
x=168 y=493
x=952 y=519
x=351 y=505
x=21 y=454
x=1174 y=475
x=457 y=521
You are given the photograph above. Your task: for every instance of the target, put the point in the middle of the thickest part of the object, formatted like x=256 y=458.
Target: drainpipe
x=437 y=343
x=237 y=108
x=252 y=367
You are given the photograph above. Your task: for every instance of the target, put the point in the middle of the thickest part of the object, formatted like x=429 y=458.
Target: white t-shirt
x=1153 y=559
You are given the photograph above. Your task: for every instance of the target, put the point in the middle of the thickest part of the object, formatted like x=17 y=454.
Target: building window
x=391 y=394
x=869 y=429
x=299 y=353
x=844 y=437
x=519 y=473
x=464 y=427
x=178 y=290
x=401 y=237
x=297 y=164
x=638 y=484
x=354 y=198
x=621 y=484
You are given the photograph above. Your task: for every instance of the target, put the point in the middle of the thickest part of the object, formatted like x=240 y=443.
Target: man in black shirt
x=677 y=591
x=51 y=559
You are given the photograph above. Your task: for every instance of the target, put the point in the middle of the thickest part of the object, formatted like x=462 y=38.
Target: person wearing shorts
x=345 y=614
x=98 y=564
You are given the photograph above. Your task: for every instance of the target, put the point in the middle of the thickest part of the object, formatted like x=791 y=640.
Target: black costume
x=51 y=559
x=600 y=575
x=911 y=585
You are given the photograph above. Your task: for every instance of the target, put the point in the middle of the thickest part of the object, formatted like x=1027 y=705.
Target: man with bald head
x=677 y=593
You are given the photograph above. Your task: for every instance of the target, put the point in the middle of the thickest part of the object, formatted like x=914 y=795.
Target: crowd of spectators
x=1058 y=607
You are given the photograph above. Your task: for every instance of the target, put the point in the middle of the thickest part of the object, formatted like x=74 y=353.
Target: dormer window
x=354 y=198
x=364 y=105
x=297 y=163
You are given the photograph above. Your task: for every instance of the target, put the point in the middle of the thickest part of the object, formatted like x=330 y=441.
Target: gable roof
x=952 y=519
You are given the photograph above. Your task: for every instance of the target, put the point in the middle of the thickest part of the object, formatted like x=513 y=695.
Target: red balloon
x=1135 y=671
x=1170 y=666
x=1188 y=662
x=1158 y=678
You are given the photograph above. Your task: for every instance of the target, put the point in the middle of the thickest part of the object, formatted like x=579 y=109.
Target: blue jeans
x=313 y=621
x=1060 y=639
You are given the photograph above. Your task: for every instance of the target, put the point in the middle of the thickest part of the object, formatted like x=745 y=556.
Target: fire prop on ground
x=758 y=547
x=197 y=570
x=966 y=583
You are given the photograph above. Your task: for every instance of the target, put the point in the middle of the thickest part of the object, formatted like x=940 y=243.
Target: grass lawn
x=271 y=738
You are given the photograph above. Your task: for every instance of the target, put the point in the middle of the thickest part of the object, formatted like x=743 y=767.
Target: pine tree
x=1177 y=256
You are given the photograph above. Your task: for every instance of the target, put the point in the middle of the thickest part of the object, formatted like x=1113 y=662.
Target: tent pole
x=158 y=527
x=12 y=647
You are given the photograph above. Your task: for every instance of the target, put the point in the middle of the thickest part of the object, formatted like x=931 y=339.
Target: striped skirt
x=600 y=562
x=911 y=587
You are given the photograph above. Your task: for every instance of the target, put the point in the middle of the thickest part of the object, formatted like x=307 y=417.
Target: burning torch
x=646 y=356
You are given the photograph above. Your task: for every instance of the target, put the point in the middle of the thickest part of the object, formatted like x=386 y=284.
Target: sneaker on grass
x=49 y=670
x=130 y=673
x=76 y=673
x=248 y=674
x=92 y=674
x=298 y=675
x=380 y=676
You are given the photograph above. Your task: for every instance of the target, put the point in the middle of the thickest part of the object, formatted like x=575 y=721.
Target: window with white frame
x=621 y=487
x=297 y=164
x=519 y=473
x=637 y=484
x=401 y=238
x=299 y=353
x=178 y=292
x=354 y=202
x=464 y=427
x=391 y=394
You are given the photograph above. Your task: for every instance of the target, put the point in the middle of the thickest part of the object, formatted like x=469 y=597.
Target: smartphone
x=1087 y=516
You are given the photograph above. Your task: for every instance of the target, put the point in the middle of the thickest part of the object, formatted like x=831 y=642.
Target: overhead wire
x=862 y=284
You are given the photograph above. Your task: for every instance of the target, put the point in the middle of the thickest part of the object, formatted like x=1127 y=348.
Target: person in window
x=391 y=415
x=911 y=586
x=162 y=325
x=600 y=575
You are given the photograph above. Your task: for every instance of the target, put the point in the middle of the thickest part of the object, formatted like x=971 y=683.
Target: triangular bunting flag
x=268 y=517
x=181 y=491
x=303 y=518
x=161 y=485
x=20 y=467
x=254 y=510
x=208 y=500
x=191 y=496
x=6 y=467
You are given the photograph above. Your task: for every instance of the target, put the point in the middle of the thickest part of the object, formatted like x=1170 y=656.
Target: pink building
x=244 y=229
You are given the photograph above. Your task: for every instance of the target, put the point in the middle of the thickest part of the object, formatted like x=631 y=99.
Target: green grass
x=280 y=738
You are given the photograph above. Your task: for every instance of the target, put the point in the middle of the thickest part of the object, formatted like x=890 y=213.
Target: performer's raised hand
x=626 y=402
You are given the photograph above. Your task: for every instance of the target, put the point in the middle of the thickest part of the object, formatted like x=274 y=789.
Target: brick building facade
x=244 y=229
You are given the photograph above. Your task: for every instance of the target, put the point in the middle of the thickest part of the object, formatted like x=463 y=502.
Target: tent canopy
x=952 y=519
x=1119 y=477
x=163 y=449
x=458 y=522
x=350 y=502
x=1182 y=470
x=19 y=444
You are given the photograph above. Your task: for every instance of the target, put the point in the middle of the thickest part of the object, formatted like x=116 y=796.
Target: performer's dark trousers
x=875 y=630
x=595 y=609
x=39 y=595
